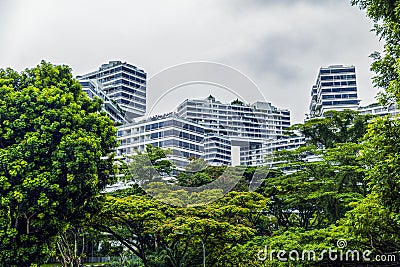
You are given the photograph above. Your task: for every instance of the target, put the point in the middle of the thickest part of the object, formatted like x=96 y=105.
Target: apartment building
x=123 y=83
x=334 y=89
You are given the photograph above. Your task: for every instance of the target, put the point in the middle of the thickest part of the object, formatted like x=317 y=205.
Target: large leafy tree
x=336 y=127
x=132 y=220
x=148 y=166
x=198 y=172
x=322 y=177
x=161 y=235
x=382 y=153
x=386 y=17
x=376 y=219
x=314 y=194
x=55 y=151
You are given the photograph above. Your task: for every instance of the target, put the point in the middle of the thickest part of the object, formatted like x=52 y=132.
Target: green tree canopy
x=323 y=177
x=161 y=235
x=386 y=17
x=55 y=151
x=335 y=127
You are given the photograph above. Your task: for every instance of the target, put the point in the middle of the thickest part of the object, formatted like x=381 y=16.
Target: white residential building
x=237 y=120
x=335 y=89
x=94 y=89
x=247 y=126
x=123 y=83
x=379 y=110
x=182 y=137
x=210 y=130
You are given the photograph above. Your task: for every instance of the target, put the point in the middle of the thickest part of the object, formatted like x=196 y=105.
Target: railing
x=86 y=260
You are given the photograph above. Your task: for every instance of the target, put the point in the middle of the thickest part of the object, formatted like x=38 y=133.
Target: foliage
x=336 y=127
x=125 y=259
x=376 y=220
x=132 y=221
x=71 y=245
x=237 y=102
x=157 y=233
x=198 y=184
x=374 y=226
x=55 y=151
x=352 y=189
x=182 y=197
x=386 y=17
x=148 y=166
x=382 y=153
x=198 y=172
x=321 y=179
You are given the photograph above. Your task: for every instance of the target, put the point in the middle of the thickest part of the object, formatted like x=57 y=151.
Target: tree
x=373 y=225
x=314 y=194
x=382 y=153
x=148 y=166
x=199 y=184
x=237 y=102
x=371 y=219
x=71 y=245
x=221 y=226
x=55 y=157
x=161 y=235
x=198 y=172
x=323 y=177
x=386 y=17
x=336 y=127
x=132 y=220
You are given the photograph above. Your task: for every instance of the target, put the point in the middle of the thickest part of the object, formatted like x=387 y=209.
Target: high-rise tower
x=335 y=89
x=123 y=83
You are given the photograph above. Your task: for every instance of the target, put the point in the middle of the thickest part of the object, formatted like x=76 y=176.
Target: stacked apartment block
x=220 y=133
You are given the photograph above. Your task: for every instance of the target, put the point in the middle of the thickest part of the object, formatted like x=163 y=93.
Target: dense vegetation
x=341 y=190
x=55 y=152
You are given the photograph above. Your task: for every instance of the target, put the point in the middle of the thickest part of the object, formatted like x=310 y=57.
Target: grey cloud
x=280 y=44
x=285 y=62
x=273 y=56
x=285 y=2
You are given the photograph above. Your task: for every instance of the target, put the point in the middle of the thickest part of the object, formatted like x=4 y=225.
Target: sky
x=278 y=45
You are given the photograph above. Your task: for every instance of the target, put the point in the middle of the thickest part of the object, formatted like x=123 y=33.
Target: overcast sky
x=278 y=44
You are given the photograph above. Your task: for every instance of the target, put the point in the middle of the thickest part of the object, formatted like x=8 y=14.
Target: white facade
x=208 y=129
x=217 y=150
x=183 y=138
x=258 y=121
x=259 y=155
x=379 y=110
x=246 y=126
x=123 y=83
x=286 y=143
x=335 y=89
x=252 y=154
x=92 y=88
